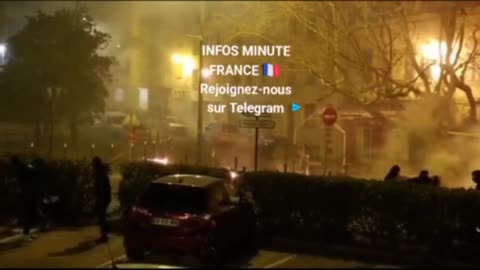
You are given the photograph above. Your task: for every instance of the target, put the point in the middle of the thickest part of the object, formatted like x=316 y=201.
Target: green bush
x=343 y=209
x=136 y=176
x=71 y=180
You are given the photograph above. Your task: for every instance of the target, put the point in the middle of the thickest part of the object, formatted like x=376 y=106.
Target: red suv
x=191 y=215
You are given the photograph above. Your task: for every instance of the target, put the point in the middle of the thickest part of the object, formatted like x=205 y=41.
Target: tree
x=55 y=59
x=359 y=50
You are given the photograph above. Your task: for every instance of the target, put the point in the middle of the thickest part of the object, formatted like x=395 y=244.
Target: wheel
x=135 y=254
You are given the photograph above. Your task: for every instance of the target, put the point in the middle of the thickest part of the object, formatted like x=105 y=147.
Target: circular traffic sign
x=329 y=116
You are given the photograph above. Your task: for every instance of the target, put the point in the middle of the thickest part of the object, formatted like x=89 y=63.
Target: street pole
x=344 y=156
x=256 y=147
x=199 y=105
x=65 y=150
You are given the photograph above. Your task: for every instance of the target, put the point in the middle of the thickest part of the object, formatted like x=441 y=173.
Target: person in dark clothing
x=393 y=174
x=102 y=195
x=423 y=178
x=476 y=179
x=29 y=193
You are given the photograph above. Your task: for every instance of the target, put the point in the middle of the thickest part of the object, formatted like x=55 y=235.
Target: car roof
x=142 y=265
x=192 y=180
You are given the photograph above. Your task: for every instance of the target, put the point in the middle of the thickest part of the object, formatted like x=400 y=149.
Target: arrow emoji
x=295 y=107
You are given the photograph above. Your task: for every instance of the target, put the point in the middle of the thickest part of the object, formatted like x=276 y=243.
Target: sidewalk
x=9 y=234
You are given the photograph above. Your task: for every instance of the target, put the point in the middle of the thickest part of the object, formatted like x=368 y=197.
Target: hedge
x=348 y=210
x=71 y=180
x=136 y=176
x=344 y=209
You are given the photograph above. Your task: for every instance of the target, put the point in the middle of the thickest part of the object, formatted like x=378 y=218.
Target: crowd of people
x=424 y=177
x=38 y=202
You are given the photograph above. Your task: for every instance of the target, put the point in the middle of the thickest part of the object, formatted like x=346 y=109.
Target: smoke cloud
x=417 y=143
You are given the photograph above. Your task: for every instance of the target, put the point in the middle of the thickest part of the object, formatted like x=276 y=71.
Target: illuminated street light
x=188 y=66
x=3 y=52
x=205 y=73
x=177 y=58
x=435 y=52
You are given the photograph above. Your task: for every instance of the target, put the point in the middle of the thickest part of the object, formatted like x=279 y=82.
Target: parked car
x=223 y=134
x=191 y=215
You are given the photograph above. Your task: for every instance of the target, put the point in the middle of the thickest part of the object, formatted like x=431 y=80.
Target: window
x=367 y=142
x=143 y=99
x=119 y=95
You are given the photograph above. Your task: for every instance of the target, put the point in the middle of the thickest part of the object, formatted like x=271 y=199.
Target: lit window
x=119 y=95
x=367 y=142
x=143 y=98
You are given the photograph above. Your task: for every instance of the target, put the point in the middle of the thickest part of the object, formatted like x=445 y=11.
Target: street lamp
x=188 y=67
x=205 y=73
x=3 y=51
x=200 y=98
x=187 y=62
x=177 y=58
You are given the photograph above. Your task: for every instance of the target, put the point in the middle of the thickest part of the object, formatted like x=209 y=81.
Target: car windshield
x=172 y=198
x=116 y=120
x=178 y=131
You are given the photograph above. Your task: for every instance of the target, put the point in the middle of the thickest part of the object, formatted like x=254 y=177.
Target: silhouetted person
x=476 y=178
x=393 y=174
x=102 y=195
x=29 y=193
x=423 y=178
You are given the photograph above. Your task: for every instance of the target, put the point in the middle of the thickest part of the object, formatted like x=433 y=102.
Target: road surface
x=76 y=247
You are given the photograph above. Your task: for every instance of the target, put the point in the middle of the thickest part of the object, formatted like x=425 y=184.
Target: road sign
x=329 y=116
x=269 y=124
x=253 y=115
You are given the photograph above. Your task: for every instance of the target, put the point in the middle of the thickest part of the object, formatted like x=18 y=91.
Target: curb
x=368 y=254
x=15 y=237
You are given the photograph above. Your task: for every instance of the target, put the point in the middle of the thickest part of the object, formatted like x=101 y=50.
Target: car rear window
x=172 y=198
